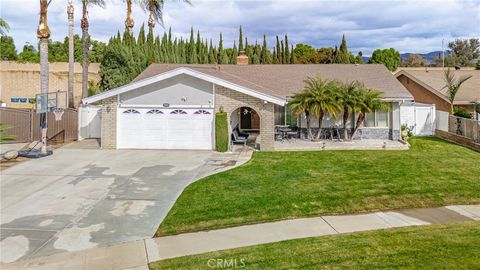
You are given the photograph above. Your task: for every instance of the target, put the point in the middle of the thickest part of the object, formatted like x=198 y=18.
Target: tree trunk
x=85 y=42
x=360 y=119
x=151 y=19
x=319 y=131
x=43 y=33
x=309 y=127
x=129 y=23
x=44 y=87
x=346 y=114
x=71 y=59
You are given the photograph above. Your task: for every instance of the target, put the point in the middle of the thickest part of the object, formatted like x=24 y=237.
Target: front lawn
x=282 y=185
x=454 y=246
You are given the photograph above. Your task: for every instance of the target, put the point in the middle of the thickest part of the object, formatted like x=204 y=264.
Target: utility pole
x=443 y=55
x=71 y=59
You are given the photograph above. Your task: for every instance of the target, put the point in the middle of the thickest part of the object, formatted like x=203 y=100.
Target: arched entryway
x=245 y=127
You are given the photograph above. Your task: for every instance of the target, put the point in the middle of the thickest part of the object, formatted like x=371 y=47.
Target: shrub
x=406 y=132
x=461 y=112
x=221 y=132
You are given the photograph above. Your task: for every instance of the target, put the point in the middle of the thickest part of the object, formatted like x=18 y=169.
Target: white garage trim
x=165 y=128
x=187 y=71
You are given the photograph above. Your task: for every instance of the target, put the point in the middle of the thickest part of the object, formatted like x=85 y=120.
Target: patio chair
x=237 y=139
x=241 y=134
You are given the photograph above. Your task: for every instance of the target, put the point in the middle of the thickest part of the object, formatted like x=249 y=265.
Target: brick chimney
x=242 y=58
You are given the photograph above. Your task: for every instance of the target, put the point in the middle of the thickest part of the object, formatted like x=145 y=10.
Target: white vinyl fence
x=89 y=122
x=419 y=117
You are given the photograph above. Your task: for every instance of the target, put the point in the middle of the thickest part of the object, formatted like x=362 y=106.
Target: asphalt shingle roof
x=469 y=91
x=286 y=80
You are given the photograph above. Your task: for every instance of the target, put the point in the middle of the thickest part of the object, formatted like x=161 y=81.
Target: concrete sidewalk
x=137 y=254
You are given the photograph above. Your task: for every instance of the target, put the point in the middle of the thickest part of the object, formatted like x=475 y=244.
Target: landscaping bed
x=283 y=185
x=454 y=246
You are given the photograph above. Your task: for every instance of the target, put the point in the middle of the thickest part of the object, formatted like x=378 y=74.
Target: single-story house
x=427 y=86
x=172 y=106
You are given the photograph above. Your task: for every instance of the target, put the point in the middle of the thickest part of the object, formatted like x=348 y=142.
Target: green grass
x=454 y=246
x=282 y=185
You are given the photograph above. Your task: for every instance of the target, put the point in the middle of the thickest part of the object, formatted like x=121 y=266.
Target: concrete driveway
x=80 y=198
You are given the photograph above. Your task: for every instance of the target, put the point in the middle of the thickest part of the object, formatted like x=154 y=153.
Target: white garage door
x=141 y=128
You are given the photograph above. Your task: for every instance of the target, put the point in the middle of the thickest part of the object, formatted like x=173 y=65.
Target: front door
x=249 y=119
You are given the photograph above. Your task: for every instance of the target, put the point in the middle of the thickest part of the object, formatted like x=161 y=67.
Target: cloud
x=408 y=25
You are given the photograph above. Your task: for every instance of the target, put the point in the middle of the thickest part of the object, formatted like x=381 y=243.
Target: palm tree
x=348 y=98
x=299 y=104
x=43 y=33
x=323 y=100
x=71 y=59
x=452 y=85
x=368 y=101
x=4 y=27
x=155 y=10
x=85 y=41
x=129 y=22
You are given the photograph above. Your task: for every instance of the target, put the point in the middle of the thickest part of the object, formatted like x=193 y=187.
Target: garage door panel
x=159 y=129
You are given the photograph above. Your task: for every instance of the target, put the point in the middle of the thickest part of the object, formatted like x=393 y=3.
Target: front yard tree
x=43 y=33
x=452 y=84
x=323 y=95
x=368 y=101
x=348 y=96
x=389 y=57
x=300 y=104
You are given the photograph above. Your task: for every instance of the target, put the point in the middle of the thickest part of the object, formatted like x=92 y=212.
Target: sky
x=406 y=25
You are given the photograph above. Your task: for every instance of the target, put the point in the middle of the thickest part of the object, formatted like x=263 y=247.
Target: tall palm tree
x=71 y=59
x=299 y=104
x=452 y=85
x=155 y=11
x=85 y=41
x=348 y=98
x=43 y=33
x=4 y=27
x=368 y=101
x=129 y=22
x=323 y=100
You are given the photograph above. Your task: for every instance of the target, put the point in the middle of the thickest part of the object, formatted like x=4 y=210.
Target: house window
x=290 y=118
x=201 y=112
x=178 y=112
x=155 y=111
x=279 y=115
x=131 y=111
x=377 y=119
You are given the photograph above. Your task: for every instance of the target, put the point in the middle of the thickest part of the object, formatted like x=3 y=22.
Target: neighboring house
x=427 y=86
x=20 y=82
x=172 y=106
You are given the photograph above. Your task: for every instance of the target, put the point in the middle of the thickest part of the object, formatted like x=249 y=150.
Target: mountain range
x=430 y=57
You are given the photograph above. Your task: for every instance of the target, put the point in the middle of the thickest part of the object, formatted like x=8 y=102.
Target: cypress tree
x=240 y=41
x=233 y=57
x=287 y=53
x=282 y=53
x=264 y=55
x=141 y=36
x=212 y=59
x=192 y=50
x=277 y=55
x=256 y=54
x=292 y=57
x=274 y=57
x=222 y=56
